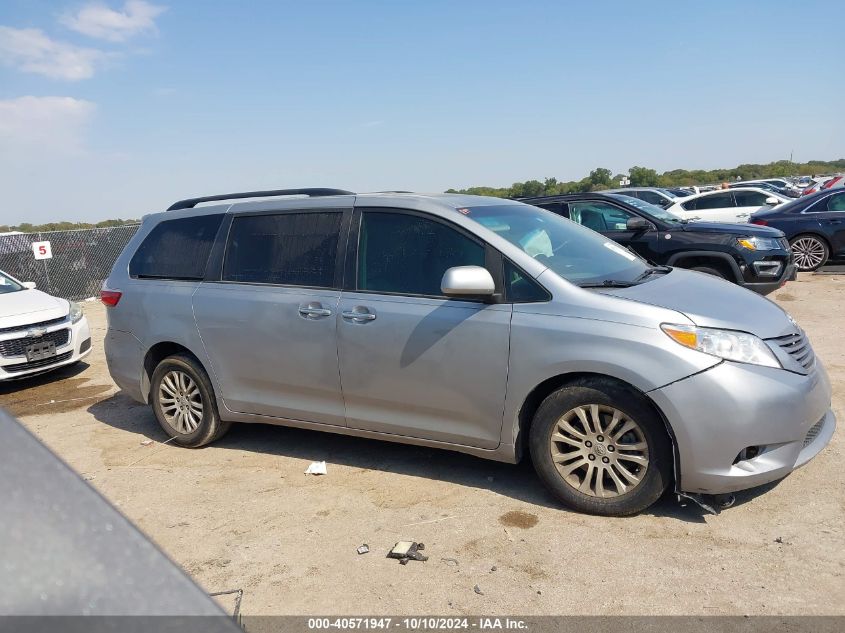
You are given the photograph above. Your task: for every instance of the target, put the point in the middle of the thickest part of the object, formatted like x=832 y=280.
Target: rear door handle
x=314 y=310
x=359 y=314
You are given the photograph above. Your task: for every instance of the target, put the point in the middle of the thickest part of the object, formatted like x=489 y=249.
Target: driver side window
x=402 y=253
x=600 y=216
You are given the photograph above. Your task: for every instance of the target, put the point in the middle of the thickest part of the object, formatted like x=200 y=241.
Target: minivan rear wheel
x=183 y=401
x=600 y=448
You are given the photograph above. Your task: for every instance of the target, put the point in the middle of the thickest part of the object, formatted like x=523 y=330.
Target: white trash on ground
x=316 y=468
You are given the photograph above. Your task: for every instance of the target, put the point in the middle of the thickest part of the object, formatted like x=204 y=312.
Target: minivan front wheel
x=183 y=401
x=600 y=448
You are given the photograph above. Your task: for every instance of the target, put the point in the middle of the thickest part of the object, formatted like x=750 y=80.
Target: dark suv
x=758 y=259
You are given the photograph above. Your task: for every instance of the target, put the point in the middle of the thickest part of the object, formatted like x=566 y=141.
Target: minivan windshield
x=574 y=252
x=7 y=284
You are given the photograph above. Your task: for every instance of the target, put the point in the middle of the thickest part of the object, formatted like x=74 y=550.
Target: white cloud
x=44 y=127
x=33 y=51
x=99 y=21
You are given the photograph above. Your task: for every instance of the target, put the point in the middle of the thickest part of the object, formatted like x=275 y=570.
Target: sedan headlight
x=741 y=347
x=760 y=243
x=75 y=312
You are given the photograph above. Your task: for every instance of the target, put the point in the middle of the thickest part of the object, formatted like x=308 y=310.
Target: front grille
x=798 y=346
x=17 y=346
x=37 y=363
x=813 y=433
x=26 y=326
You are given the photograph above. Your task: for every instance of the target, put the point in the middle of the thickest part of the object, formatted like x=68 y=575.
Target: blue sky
x=115 y=109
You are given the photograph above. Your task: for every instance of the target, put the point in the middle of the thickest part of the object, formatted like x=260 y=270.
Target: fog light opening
x=749 y=452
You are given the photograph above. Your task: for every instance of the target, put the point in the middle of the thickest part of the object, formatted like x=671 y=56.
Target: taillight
x=759 y=221
x=110 y=297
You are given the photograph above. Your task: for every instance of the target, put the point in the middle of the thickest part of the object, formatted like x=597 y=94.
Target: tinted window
x=836 y=202
x=295 y=249
x=716 y=201
x=408 y=254
x=176 y=249
x=649 y=209
x=750 y=198
x=652 y=197
x=599 y=216
x=520 y=288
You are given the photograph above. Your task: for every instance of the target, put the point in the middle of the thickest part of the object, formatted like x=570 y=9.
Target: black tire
x=709 y=271
x=210 y=426
x=804 y=263
x=611 y=394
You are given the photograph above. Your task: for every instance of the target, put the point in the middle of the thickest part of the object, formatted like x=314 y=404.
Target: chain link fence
x=80 y=262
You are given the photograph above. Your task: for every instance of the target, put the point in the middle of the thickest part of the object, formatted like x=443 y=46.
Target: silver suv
x=474 y=324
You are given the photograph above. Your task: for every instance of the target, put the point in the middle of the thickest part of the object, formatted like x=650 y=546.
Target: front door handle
x=314 y=310
x=359 y=314
x=742 y=215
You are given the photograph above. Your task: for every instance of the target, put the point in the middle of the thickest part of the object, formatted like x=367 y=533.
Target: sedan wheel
x=599 y=451
x=181 y=401
x=809 y=252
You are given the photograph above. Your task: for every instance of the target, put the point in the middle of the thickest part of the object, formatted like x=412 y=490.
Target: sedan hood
x=751 y=230
x=711 y=302
x=30 y=306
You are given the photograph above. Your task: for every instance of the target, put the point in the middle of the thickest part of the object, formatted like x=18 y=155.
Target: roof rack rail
x=312 y=192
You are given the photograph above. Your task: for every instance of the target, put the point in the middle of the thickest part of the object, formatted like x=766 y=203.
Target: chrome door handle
x=314 y=310
x=742 y=215
x=360 y=316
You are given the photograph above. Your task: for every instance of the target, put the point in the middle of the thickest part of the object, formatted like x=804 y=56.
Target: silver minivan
x=468 y=323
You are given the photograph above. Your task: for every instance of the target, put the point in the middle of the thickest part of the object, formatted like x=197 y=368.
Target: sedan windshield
x=650 y=209
x=7 y=284
x=574 y=252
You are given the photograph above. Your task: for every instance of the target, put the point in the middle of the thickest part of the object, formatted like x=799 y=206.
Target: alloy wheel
x=599 y=451
x=809 y=253
x=181 y=401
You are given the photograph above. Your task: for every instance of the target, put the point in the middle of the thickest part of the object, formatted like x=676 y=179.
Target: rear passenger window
x=750 y=198
x=716 y=201
x=408 y=254
x=176 y=249
x=292 y=249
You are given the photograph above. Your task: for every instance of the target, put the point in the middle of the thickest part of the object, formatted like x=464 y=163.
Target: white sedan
x=38 y=332
x=726 y=205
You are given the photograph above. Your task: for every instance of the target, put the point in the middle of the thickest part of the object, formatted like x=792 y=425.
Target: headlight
x=75 y=312
x=741 y=347
x=760 y=243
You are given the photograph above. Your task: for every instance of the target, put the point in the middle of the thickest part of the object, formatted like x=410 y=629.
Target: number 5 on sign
x=42 y=250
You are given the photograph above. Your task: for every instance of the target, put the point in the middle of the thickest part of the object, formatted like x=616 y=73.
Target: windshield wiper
x=652 y=271
x=608 y=283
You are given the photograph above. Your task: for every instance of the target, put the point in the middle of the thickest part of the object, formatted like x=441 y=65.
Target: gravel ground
x=241 y=513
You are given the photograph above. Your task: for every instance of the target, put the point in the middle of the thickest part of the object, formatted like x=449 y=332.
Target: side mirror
x=637 y=223
x=467 y=281
x=772 y=201
x=29 y=285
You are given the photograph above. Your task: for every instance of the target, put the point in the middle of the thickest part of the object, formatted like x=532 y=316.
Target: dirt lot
x=241 y=513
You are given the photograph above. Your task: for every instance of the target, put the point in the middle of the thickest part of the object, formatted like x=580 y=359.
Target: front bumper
x=790 y=273
x=717 y=413
x=77 y=347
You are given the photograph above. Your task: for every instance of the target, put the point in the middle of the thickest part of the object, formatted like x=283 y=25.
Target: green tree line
x=600 y=178
x=26 y=227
